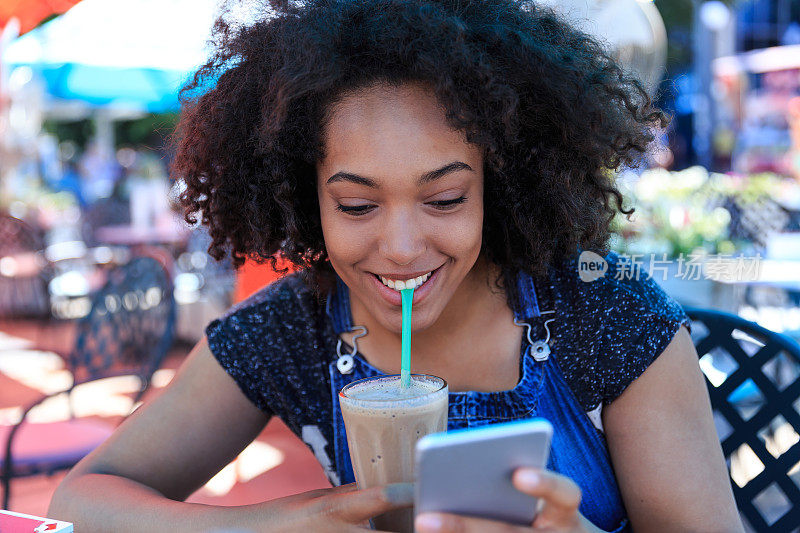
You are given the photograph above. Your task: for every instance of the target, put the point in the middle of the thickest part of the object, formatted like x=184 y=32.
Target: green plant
x=683 y=212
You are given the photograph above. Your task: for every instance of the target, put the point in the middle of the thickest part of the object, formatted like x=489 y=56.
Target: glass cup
x=383 y=423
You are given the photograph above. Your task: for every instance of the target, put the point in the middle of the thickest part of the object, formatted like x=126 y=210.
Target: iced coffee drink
x=383 y=422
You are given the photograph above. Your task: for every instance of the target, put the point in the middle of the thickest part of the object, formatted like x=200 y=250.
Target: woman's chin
x=421 y=320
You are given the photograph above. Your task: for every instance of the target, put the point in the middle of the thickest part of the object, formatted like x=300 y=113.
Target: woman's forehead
x=388 y=123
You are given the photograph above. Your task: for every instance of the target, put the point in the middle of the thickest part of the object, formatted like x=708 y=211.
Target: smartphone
x=468 y=471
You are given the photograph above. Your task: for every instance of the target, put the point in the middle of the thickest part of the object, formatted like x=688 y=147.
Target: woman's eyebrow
x=438 y=173
x=427 y=177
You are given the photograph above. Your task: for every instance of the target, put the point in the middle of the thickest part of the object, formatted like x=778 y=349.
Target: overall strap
x=338 y=308
x=527 y=304
x=526 y=309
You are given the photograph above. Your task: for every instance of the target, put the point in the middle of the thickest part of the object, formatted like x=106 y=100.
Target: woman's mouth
x=389 y=286
x=400 y=284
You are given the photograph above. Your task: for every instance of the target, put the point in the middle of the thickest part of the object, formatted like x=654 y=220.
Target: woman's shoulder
x=616 y=320
x=285 y=311
x=274 y=337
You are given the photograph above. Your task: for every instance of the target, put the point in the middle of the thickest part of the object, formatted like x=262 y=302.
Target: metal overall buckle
x=540 y=349
x=346 y=361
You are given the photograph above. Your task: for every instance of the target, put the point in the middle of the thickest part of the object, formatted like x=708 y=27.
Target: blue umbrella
x=153 y=90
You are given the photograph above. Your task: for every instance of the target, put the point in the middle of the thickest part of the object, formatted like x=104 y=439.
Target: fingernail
x=528 y=478
x=399 y=493
x=428 y=523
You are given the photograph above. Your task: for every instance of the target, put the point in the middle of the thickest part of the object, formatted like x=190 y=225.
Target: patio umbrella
x=131 y=54
x=31 y=12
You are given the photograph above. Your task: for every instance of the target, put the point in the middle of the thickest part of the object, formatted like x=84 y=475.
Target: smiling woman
x=464 y=148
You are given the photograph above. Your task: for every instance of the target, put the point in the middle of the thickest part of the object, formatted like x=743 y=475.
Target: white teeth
x=399 y=285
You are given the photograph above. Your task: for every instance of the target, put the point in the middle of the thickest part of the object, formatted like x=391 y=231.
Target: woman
x=468 y=145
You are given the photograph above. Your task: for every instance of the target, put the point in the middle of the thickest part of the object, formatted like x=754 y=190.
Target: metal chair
x=127 y=332
x=753 y=378
x=24 y=271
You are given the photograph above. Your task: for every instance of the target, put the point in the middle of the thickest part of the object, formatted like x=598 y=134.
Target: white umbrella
x=131 y=53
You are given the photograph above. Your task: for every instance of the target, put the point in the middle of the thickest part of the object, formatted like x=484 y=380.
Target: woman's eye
x=355 y=210
x=358 y=210
x=444 y=205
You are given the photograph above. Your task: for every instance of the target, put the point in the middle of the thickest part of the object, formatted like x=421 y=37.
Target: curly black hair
x=553 y=112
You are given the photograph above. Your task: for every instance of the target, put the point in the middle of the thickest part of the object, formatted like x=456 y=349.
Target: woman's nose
x=403 y=240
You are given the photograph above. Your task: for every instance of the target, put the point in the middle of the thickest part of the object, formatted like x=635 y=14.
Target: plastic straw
x=405 y=345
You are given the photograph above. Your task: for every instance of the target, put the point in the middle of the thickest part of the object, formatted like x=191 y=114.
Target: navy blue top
x=280 y=347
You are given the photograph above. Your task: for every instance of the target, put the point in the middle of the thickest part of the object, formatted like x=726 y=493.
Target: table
x=127 y=235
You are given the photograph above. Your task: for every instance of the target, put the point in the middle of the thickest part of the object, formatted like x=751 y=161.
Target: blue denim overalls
x=578 y=450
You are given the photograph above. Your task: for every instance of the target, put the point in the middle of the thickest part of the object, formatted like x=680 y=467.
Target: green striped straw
x=405 y=345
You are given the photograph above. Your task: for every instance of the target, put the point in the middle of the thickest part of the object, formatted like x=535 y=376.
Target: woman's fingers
x=450 y=523
x=356 y=506
x=561 y=496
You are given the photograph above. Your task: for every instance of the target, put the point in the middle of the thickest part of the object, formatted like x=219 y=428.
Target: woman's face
x=401 y=197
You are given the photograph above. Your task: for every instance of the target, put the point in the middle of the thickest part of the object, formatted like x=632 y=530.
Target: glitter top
x=277 y=345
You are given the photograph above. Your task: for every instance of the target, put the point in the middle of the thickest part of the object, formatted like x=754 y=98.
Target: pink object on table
x=11 y=522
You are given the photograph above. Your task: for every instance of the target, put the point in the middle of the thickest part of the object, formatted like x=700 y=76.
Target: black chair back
x=130 y=326
x=128 y=331
x=753 y=378
x=16 y=236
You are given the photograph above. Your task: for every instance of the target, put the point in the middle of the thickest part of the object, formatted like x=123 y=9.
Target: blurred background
x=88 y=101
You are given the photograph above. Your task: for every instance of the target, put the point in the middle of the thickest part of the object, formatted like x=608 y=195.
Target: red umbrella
x=31 y=12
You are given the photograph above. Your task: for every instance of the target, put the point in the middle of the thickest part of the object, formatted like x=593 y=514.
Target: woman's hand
x=343 y=508
x=560 y=498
